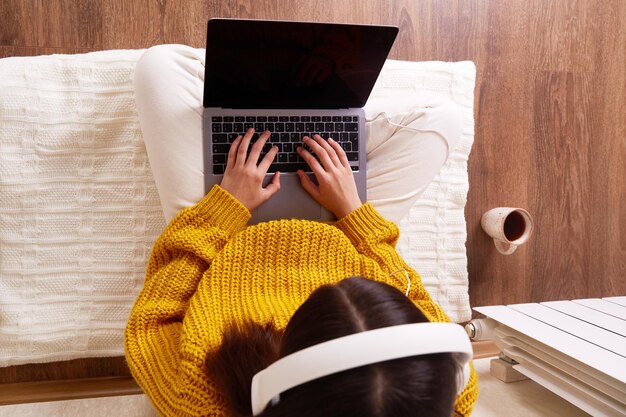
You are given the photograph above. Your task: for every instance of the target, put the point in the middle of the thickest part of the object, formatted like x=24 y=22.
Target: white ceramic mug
x=508 y=226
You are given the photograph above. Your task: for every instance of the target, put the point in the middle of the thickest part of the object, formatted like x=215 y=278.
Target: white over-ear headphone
x=360 y=349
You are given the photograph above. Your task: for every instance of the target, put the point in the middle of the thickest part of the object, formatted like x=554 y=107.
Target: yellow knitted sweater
x=204 y=273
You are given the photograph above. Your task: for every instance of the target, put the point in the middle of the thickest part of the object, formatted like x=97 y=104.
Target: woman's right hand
x=336 y=190
x=244 y=175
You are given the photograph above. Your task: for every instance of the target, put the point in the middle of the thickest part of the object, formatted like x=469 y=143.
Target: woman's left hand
x=243 y=178
x=336 y=190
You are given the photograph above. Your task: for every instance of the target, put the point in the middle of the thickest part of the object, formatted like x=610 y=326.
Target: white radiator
x=576 y=349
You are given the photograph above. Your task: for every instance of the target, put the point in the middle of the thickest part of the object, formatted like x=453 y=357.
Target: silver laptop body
x=313 y=104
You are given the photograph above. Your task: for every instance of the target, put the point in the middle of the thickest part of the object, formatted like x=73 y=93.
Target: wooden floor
x=550 y=111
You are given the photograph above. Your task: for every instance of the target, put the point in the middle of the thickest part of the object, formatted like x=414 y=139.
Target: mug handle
x=504 y=247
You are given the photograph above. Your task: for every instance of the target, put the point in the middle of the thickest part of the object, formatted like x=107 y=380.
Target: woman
x=220 y=304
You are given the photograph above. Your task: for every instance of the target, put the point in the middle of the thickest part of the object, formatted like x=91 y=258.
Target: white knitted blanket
x=433 y=234
x=79 y=210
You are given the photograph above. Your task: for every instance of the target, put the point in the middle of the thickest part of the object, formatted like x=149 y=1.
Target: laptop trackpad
x=291 y=202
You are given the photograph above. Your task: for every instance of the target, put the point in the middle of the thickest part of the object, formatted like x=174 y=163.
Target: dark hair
x=416 y=386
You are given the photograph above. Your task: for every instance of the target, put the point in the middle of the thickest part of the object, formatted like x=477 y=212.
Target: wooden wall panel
x=608 y=216
x=501 y=153
x=562 y=122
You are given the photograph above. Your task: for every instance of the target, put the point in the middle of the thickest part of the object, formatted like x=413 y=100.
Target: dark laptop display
x=293 y=79
x=277 y=64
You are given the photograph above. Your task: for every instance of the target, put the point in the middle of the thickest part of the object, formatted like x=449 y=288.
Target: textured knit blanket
x=79 y=211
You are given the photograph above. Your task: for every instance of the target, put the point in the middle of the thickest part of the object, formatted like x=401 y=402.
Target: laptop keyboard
x=287 y=133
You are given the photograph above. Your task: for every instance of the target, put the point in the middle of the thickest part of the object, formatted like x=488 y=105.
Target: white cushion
x=80 y=211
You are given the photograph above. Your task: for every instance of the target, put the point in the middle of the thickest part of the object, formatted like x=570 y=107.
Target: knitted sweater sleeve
x=376 y=238
x=153 y=336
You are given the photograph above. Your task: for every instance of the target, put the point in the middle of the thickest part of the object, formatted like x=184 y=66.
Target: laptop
x=294 y=79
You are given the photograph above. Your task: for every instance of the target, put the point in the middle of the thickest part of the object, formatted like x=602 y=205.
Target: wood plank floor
x=550 y=111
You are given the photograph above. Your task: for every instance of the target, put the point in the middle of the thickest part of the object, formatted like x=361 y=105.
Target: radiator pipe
x=481 y=329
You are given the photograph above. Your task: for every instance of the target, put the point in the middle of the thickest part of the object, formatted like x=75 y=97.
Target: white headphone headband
x=359 y=349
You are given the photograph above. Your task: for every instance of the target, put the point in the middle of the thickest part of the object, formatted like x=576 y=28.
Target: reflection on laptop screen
x=271 y=64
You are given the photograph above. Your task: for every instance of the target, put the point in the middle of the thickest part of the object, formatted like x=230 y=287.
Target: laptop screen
x=292 y=65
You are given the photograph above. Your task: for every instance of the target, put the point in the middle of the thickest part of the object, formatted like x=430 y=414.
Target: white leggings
x=405 y=150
